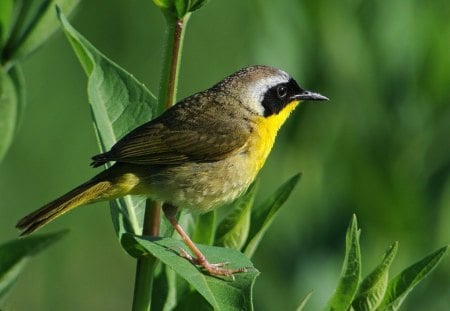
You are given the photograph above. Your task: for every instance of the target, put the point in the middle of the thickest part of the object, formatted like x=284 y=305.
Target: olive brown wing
x=177 y=138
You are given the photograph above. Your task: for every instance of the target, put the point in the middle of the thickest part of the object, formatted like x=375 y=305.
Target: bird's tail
x=112 y=183
x=88 y=192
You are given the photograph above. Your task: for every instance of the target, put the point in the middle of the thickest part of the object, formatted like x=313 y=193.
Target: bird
x=201 y=153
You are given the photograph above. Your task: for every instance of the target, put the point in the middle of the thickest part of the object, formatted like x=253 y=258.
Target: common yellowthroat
x=199 y=154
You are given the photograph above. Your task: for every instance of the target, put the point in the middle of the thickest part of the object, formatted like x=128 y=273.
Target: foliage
x=24 y=26
x=119 y=104
x=351 y=271
x=15 y=254
x=375 y=292
x=221 y=293
x=378 y=150
x=179 y=8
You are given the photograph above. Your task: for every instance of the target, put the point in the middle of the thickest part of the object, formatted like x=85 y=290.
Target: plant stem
x=173 y=42
x=145 y=266
x=171 y=61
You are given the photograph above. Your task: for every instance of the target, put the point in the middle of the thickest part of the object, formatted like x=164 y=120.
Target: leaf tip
x=59 y=13
x=353 y=227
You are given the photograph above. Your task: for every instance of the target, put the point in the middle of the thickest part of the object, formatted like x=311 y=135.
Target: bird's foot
x=216 y=269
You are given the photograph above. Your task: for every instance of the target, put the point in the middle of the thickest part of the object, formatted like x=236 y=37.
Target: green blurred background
x=380 y=148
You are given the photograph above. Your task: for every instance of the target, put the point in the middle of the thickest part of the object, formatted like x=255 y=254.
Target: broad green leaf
x=221 y=293
x=233 y=230
x=372 y=289
x=193 y=301
x=304 y=301
x=119 y=103
x=8 y=111
x=401 y=285
x=205 y=228
x=351 y=271
x=6 y=13
x=14 y=255
x=41 y=25
x=126 y=214
x=263 y=216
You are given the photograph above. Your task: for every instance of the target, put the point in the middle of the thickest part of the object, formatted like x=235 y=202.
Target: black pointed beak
x=307 y=95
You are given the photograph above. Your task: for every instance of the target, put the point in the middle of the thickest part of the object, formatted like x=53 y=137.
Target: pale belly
x=201 y=187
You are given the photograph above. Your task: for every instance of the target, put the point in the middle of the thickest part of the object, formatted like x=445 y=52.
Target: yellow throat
x=267 y=129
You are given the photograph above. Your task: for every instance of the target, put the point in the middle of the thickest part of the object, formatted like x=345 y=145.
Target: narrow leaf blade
x=351 y=271
x=233 y=230
x=119 y=103
x=222 y=294
x=42 y=27
x=6 y=13
x=372 y=289
x=8 y=111
x=205 y=228
x=401 y=285
x=14 y=254
x=304 y=301
x=263 y=216
x=18 y=79
x=197 y=4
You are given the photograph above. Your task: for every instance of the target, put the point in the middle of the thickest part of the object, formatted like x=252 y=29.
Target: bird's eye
x=281 y=92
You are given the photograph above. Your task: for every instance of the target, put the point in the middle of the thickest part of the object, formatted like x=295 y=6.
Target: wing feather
x=182 y=134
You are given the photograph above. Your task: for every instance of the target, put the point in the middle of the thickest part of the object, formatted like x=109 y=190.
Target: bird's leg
x=213 y=269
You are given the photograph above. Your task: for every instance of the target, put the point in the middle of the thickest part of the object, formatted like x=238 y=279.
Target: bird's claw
x=216 y=269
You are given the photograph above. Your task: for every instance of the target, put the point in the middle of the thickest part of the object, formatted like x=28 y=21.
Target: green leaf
x=127 y=214
x=119 y=103
x=6 y=13
x=233 y=231
x=8 y=111
x=263 y=216
x=221 y=293
x=205 y=228
x=26 y=15
x=197 y=4
x=168 y=285
x=18 y=80
x=179 y=8
x=41 y=25
x=304 y=301
x=372 y=289
x=14 y=255
x=163 y=4
x=401 y=285
x=193 y=301
x=351 y=271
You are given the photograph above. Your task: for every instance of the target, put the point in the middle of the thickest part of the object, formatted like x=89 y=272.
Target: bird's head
x=266 y=91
